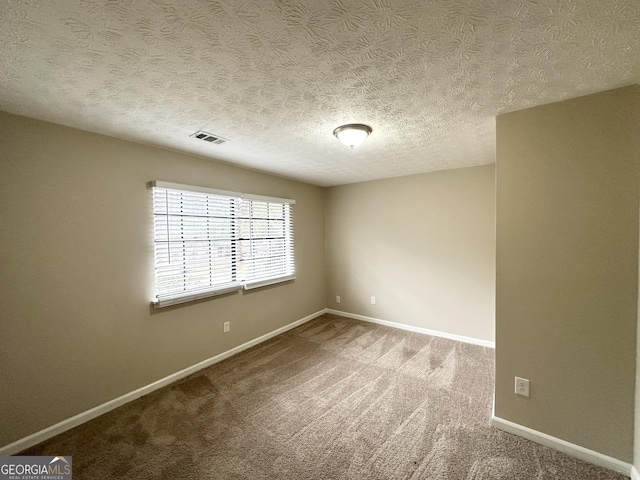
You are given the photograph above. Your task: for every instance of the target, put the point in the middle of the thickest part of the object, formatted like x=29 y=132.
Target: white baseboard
x=83 y=417
x=635 y=474
x=564 y=446
x=411 y=328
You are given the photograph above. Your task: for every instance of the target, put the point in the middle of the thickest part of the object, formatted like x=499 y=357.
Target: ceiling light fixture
x=352 y=134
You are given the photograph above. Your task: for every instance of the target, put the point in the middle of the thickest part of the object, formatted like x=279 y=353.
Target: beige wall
x=76 y=272
x=423 y=245
x=567 y=268
x=636 y=452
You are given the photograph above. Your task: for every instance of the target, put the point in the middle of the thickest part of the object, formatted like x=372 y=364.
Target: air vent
x=208 y=137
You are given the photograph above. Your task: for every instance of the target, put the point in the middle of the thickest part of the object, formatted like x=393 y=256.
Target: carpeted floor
x=333 y=399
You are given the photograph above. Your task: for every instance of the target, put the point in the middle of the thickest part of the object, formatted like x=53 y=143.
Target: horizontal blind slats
x=205 y=242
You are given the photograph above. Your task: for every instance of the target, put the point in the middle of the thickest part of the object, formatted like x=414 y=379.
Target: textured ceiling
x=276 y=77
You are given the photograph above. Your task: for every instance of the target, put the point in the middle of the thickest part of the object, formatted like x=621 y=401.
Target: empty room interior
x=334 y=239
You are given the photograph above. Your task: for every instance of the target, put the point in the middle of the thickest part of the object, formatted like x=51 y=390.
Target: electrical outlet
x=227 y=327
x=522 y=386
x=373 y=300
x=337 y=298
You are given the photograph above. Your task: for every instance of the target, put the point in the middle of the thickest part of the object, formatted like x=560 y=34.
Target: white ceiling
x=275 y=77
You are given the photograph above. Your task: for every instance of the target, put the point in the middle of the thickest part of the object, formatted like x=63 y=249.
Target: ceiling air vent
x=208 y=137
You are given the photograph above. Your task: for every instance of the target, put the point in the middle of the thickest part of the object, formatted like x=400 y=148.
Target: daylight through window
x=209 y=242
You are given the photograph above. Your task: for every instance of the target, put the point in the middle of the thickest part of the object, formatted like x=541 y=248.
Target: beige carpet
x=333 y=399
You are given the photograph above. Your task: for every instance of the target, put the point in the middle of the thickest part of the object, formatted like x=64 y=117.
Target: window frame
x=278 y=271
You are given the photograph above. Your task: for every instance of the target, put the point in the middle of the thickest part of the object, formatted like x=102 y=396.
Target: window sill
x=190 y=297
x=268 y=281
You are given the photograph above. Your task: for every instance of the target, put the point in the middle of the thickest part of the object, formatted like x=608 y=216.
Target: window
x=209 y=242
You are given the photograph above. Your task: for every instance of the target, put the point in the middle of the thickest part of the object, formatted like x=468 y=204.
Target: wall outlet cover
x=522 y=386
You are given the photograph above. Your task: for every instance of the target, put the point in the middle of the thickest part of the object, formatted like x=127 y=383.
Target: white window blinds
x=208 y=242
